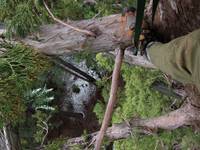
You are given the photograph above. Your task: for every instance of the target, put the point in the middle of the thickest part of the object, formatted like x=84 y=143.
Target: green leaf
x=155 y=5
x=139 y=19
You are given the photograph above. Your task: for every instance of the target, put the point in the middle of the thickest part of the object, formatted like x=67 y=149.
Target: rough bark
x=174 y=18
x=57 y=39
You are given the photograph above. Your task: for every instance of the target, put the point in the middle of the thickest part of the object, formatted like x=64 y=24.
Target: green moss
x=138 y=100
x=105 y=62
x=55 y=144
x=183 y=138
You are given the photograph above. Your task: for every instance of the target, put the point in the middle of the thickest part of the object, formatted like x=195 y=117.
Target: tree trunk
x=174 y=18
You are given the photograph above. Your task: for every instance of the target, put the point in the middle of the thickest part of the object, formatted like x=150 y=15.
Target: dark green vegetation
x=22 y=91
x=21 y=16
x=21 y=87
x=25 y=16
x=137 y=99
x=19 y=69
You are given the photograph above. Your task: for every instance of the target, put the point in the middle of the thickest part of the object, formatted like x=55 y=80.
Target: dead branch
x=185 y=115
x=56 y=39
x=65 y=24
x=112 y=98
x=138 y=60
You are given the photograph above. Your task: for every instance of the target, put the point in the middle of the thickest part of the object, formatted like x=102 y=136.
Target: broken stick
x=112 y=98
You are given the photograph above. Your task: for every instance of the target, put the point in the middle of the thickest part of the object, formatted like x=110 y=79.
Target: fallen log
x=57 y=39
x=185 y=115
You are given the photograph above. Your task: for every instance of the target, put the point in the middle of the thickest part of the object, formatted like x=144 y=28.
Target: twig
x=112 y=98
x=7 y=143
x=95 y=16
x=45 y=128
x=65 y=24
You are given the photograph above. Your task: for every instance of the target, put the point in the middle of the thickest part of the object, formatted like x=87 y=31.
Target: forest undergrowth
x=21 y=69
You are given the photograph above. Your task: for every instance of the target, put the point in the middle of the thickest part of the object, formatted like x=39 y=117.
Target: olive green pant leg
x=180 y=58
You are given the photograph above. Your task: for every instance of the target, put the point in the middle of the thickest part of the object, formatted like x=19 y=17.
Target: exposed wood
x=7 y=143
x=57 y=39
x=2 y=29
x=9 y=139
x=185 y=115
x=112 y=99
x=138 y=60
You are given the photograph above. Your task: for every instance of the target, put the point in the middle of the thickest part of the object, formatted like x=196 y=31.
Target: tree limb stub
x=185 y=115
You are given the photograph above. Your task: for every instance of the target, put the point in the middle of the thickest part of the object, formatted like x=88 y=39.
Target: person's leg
x=180 y=58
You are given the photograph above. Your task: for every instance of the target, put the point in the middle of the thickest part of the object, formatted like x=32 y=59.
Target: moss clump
x=19 y=69
x=137 y=99
x=55 y=144
x=183 y=139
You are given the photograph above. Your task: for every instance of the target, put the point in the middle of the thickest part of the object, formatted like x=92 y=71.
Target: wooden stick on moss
x=65 y=24
x=112 y=99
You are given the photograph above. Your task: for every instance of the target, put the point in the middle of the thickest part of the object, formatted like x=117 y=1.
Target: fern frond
x=45 y=107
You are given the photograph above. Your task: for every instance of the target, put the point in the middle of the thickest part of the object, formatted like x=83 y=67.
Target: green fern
x=40 y=98
x=19 y=68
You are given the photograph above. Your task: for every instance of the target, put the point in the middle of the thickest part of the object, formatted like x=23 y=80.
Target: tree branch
x=185 y=115
x=138 y=60
x=55 y=39
x=112 y=98
x=65 y=24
